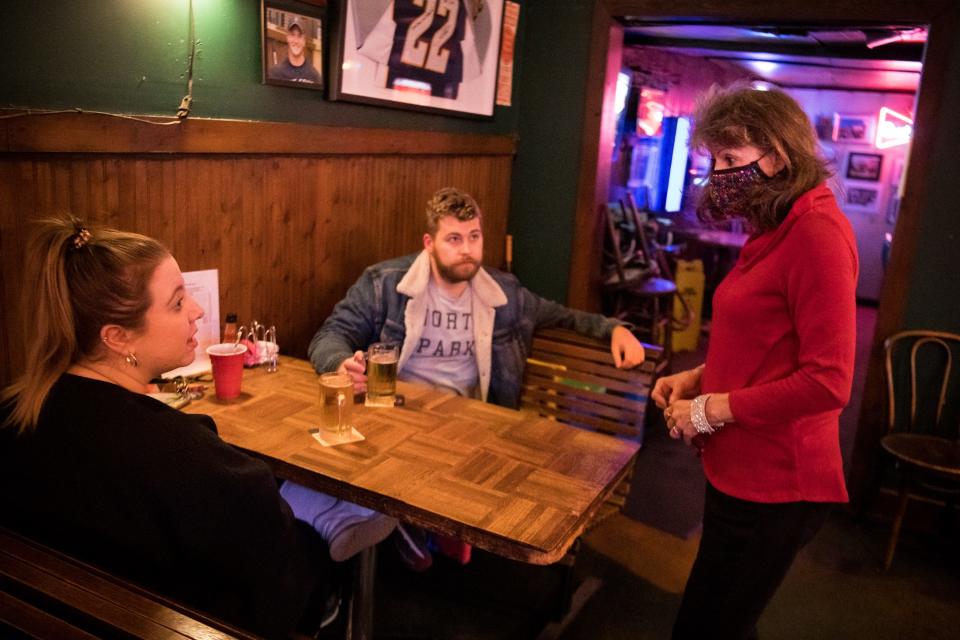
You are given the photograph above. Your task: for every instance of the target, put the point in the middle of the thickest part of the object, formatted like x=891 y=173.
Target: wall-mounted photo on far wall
x=864 y=166
x=858 y=129
x=429 y=55
x=824 y=126
x=865 y=199
x=292 y=43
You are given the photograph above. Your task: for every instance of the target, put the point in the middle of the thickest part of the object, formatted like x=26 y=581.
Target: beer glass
x=336 y=405
x=382 y=374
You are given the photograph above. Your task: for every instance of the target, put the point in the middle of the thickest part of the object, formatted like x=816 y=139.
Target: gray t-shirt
x=446 y=354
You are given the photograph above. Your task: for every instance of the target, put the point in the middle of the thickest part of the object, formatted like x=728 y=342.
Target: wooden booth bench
x=47 y=594
x=571 y=378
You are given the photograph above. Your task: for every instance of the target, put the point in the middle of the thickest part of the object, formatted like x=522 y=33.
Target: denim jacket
x=386 y=305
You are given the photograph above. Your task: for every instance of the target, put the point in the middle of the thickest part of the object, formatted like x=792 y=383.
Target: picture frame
x=853 y=128
x=402 y=55
x=863 y=198
x=864 y=166
x=291 y=43
x=824 y=126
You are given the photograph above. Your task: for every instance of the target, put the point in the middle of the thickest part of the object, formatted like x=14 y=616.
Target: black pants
x=745 y=552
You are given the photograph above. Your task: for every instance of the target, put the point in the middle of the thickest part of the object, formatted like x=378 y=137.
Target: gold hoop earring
x=131 y=359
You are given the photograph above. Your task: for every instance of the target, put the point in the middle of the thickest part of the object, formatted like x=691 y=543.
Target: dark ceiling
x=874 y=58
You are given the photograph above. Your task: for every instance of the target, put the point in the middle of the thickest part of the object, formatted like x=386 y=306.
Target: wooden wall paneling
x=288 y=232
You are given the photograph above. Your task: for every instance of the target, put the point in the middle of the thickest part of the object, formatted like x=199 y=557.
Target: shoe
x=347 y=528
x=453 y=548
x=411 y=544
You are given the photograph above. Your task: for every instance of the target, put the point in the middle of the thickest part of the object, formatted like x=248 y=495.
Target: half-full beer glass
x=336 y=405
x=382 y=374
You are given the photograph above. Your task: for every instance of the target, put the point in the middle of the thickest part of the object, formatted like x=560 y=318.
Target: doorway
x=608 y=26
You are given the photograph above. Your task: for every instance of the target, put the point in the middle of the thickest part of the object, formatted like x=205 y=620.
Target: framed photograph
x=863 y=198
x=864 y=166
x=824 y=127
x=292 y=43
x=853 y=128
x=429 y=55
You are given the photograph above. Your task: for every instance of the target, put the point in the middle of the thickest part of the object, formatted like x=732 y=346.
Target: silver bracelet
x=698 y=415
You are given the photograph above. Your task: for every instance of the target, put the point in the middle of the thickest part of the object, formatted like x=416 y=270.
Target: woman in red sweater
x=765 y=405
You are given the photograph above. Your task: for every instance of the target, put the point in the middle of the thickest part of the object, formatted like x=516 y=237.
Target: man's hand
x=355 y=366
x=626 y=349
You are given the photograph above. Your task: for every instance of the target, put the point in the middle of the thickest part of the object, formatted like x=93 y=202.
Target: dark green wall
x=554 y=57
x=130 y=56
x=933 y=297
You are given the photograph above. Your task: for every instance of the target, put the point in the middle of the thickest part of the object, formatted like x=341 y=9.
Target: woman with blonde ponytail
x=92 y=465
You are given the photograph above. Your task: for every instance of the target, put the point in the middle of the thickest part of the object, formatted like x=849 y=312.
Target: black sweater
x=145 y=491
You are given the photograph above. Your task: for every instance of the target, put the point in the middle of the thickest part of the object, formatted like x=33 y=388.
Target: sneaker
x=349 y=529
x=411 y=544
x=453 y=548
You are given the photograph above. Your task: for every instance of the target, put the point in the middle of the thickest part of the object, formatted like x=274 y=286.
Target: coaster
x=353 y=436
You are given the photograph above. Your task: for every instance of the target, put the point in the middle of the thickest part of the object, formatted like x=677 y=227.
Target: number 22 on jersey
x=431 y=55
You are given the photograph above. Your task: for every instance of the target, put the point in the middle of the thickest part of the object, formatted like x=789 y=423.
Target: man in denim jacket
x=461 y=326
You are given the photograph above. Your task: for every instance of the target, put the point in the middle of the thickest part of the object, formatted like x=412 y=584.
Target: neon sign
x=893 y=129
x=651 y=112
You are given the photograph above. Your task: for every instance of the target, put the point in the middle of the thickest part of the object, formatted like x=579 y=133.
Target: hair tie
x=80 y=238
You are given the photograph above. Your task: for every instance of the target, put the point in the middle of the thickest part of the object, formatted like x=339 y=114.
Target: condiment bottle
x=230 y=328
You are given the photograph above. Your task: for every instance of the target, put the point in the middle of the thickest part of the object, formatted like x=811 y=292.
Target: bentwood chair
x=923 y=388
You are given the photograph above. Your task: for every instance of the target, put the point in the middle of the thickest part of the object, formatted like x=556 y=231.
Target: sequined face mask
x=730 y=189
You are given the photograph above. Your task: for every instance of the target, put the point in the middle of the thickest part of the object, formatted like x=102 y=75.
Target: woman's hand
x=678 y=420
x=680 y=386
x=680 y=424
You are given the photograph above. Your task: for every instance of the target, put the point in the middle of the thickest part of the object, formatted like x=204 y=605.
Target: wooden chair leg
x=897 y=523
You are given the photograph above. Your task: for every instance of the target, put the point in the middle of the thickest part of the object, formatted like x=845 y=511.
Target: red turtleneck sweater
x=782 y=344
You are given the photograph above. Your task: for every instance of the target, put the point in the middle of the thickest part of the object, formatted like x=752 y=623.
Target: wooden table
x=505 y=481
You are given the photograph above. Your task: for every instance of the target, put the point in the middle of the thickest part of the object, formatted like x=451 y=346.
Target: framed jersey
x=431 y=55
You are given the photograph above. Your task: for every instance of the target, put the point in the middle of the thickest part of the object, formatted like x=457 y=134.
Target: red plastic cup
x=227 y=362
